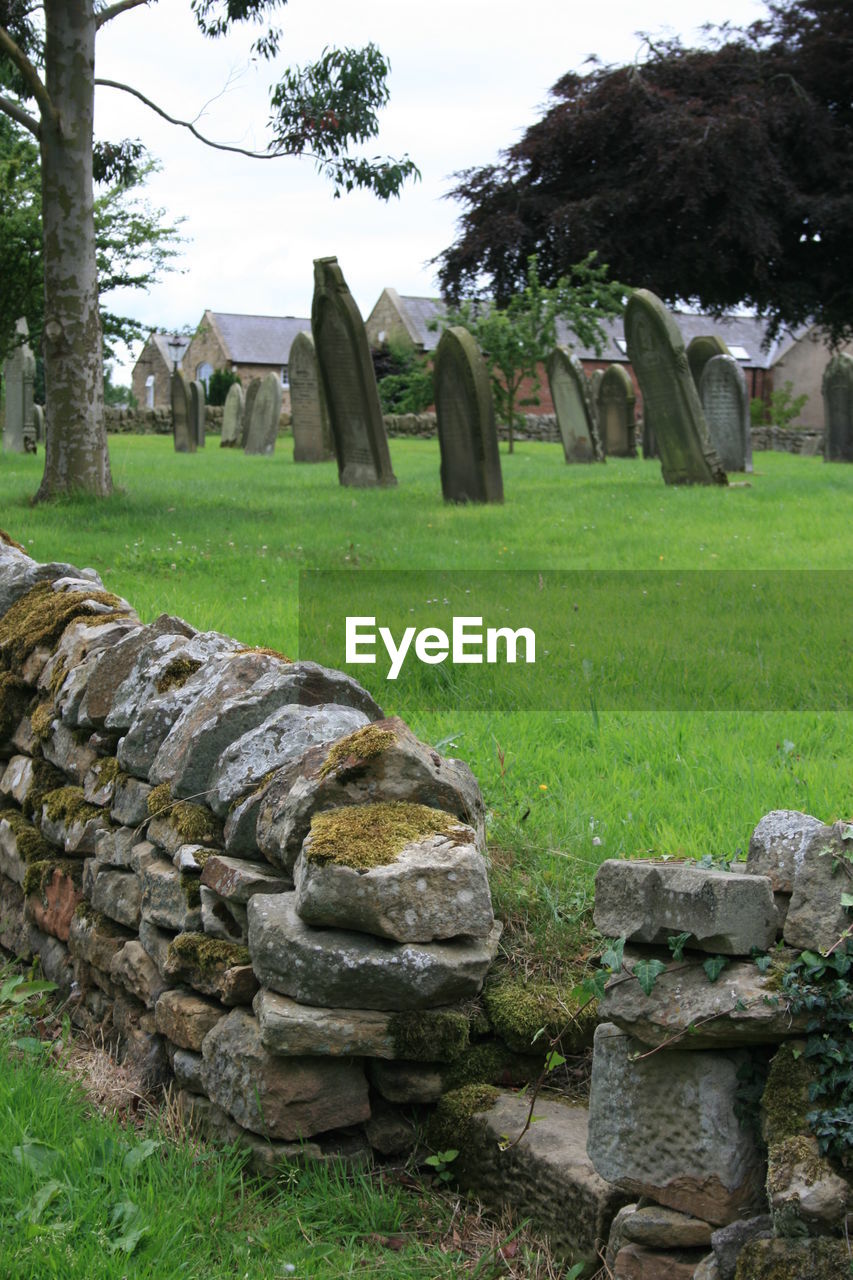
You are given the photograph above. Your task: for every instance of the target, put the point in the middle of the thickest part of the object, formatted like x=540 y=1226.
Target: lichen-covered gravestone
x=616 y=401
x=467 y=434
x=657 y=354
x=348 y=381
x=262 y=416
x=837 y=388
x=182 y=430
x=700 y=350
x=725 y=403
x=248 y=406
x=573 y=407
x=232 y=417
x=312 y=435
x=19 y=375
x=198 y=412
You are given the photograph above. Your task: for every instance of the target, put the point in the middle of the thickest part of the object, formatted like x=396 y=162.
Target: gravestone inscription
x=198 y=412
x=837 y=388
x=465 y=414
x=657 y=353
x=262 y=426
x=182 y=429
x=348 y=381
x=616 y=404
x=725 y=403
x=232 y=417
x=312 y=435
x=570 y=393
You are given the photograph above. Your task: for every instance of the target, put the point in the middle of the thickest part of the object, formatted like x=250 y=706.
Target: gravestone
x=837 y=388
x=19 y=373
x=465 y=413
x=248 y=405
x=700 y=350
x=616 y=404
x=312 y=435
x=182 y=431
x=262 y=425
x=725 y=403
x=198 y=412
x=657 y=354
x=232 y=417
x=38 y=423
x=573 y=407
x=348 y=381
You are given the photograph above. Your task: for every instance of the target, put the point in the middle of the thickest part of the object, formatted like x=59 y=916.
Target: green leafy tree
x=47 y=74
x=403 y=379
x=516 y=338
x=117 y=395
x=219 y=384
x=785 y=407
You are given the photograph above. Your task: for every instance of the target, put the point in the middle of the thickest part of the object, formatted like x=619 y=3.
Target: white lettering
x=461 y=637
x=511 y=638
x=396 y=654
x=432 y=645
x=354 y=638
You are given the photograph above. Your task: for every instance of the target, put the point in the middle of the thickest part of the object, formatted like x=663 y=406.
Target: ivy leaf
x=714 y=966
x=612 y=957
x=676 y=945
x=647 y=973
x=554 y=1060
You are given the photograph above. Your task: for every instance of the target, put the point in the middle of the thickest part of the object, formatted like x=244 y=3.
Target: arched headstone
x=232 y=417
x=725 y=403
x=572 y=405
x=19 y=373
x=198 y=412
x=348 y=381
x=837 y=388
x=465 y=413
x=262 y=425
x=312 y=435
x=179 y=394
x=657 y=354
x=700 y=350
x=616 y=405
x=38 y=423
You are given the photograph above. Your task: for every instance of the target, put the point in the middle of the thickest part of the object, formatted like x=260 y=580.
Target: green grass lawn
x=220 y=538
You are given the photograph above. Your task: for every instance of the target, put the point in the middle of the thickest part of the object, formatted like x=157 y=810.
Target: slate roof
x=258 y=339
x=417 y=313
x=161 y=342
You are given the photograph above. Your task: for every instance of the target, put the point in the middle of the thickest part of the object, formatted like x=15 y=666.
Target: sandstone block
x=51 y=908
x=170 y=898
x=118 y=894
x=236 y=879
x=95 y=938
x=223 y=919
x=184 y=1017
x=816 y=918
x=293 y=1029
x=636 y=1262
x=134 y=969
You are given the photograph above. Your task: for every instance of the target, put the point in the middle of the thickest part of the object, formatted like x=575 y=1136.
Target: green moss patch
x=176 y=673
x=40 y=874
x=69 y=804
x=819 y=1259
x=429 y=1035
x=785 y=1100
x=31 y=844
x=98 y=921
x=46 y=778
x=196 y=951
x=107 y=770
x=195 y=824
x=357 y=748
x=159 y=800
x=259 y=648
x=14 y=700
x=450 y=1123
x=41 y=718
x=493 y=1063
x=528 y=1014
x=191 y=885
x=39 y=618
x=372 y=835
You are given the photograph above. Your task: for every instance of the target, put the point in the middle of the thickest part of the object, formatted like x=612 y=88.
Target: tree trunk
x=76 y=455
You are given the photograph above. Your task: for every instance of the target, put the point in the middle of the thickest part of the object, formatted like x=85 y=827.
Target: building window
x=149 y=391
x=203 y=372
x=285 y=377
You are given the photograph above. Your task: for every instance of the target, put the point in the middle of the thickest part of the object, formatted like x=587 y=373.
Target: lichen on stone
x=790 y=1153
x=14 y=697
x=191 y=885
x=429 y=1035
x=46 y=778
x=194 y=823
x=176 y=673
x=30 y=843
x=97 y=920
x=818 y=1259
x=785 y=1101
x=159 y=800
x=260 y=648
x=450 y=1123
x=528 y=1014
x=41 y=718
x=198 y=951
x=357 y=748
x=372 y=835
x=57 y=676
x=107 y=770
x=69 y=804
x=40 y=617
x=39 y=874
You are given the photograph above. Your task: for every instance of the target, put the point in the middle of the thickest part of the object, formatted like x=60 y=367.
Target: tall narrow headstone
x=657 y=354
x=181 y=419
x=262 y=425
x=467 y=434
x=725 y=403
x=700 y=350
x=198 y=412
x=837 y=388
x=232 y=417
x=249 y=404
x=38 y=423
x=573 y=407
x=19 y=373
x=312 y=435
x=348 y=381
x=616 y=404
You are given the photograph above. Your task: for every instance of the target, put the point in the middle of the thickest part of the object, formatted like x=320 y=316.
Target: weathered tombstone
x=262 y=427
x=649 y=443
x=616 y=402
x=232 y=417
x=312 y=435
x=837 y=388
x=594 y=383
x=198 y=412
x=725 y=403
x=348 y=381
x=465 y=413
x=248 y=405
x=572 y=405
x=700 y=350
x=38 y=422
x=19 y=373
x=181 y=421
x=657 y=354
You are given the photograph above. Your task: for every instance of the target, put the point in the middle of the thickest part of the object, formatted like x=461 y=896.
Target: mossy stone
x=31 y=844
x=159 y=800
x=40 y=617
x=372 y=835
x=191 y=885
x=46 y=778
x=69 y=804
x=176 y=673
x=357 y=748
x=491 y=1062
x=815 y=1259
x=41 y=718
x=528 y=1014
x=429 y=1035
x=785 y=1101
x=449 y=1124
x=206 y=954
x=39 y=874
x=14 y=699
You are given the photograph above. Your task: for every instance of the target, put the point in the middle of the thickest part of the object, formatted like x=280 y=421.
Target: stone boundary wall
x=249 y=880
x=422 y=426
x=150 y=422
x=788 y=440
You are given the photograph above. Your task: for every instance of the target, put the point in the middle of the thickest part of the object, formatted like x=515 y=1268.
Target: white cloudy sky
x=467 y=77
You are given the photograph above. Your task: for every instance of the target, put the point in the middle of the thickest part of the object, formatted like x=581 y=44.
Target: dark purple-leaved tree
x=47 y=85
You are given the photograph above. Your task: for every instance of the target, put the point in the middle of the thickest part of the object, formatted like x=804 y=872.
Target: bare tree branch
x=27 y=70
x=18 y=114
x=115 y=9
